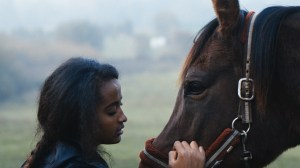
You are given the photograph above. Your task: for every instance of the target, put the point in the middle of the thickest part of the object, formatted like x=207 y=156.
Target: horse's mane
x=264 y=50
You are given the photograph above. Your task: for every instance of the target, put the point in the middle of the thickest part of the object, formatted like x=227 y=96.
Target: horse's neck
x=290 y=66
x=293 y=21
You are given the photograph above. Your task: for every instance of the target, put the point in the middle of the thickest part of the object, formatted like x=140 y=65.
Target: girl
x=79 y=109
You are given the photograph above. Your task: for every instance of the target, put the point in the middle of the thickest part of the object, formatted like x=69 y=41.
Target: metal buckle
x=246 y=85
x=242 y=132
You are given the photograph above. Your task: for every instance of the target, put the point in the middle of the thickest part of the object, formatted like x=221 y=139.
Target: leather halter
x=230 y=137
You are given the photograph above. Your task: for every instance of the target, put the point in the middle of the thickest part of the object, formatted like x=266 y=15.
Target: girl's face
x=110 y=114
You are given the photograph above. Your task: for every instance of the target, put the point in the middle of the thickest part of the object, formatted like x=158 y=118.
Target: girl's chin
x=118 y=139
x=114 y=141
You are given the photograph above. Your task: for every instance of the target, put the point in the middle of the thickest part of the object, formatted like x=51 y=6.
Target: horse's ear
x=227 y=12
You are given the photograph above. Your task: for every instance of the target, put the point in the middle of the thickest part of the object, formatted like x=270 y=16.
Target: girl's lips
x=120 y=130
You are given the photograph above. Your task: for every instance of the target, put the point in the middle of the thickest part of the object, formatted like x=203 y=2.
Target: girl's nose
x=123 y=117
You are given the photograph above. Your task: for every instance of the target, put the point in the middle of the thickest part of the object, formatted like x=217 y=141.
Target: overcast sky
x=47 y=14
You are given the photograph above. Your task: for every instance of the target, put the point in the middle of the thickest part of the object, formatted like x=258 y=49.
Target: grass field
x=148 y=100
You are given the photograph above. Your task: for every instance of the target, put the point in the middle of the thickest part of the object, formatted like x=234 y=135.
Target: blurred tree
x=16 y=69
x=143 y=48
x=14 y=84
x=127 y=27
x=81 y=32
x=165 y=23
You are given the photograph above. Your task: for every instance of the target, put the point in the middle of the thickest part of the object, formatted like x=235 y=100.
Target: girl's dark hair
x=67 y=105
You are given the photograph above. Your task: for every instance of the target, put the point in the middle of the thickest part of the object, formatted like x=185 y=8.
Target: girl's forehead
x=111 y=88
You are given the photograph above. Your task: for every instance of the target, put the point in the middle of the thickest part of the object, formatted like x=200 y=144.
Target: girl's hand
x=187 y=155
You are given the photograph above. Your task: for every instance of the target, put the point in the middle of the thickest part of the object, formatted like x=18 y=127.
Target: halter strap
x=245 y=33
x=222 y=146
x=152 y=157
x=245 y=84
x=162 y=164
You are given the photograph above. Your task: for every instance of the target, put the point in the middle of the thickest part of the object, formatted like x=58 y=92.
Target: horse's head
x=208 y=101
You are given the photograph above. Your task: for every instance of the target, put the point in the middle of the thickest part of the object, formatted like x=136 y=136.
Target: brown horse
x=242 y=73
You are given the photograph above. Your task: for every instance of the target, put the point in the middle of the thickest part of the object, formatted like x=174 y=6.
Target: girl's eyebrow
x=115 y=103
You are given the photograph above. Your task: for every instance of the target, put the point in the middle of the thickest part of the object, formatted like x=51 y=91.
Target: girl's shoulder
x=68 y=155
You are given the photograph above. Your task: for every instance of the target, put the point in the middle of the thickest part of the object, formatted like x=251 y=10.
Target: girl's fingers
x=201 y=149
x=194 y=145
x=185 y=145
x=186 y=155
x=172 y=155
x=202 y=153
x=179 y=147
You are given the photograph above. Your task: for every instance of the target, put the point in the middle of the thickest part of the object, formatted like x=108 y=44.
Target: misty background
x=134 y=35
x=147 y=40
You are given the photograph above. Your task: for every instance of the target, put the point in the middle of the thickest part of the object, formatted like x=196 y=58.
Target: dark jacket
x=68 y=155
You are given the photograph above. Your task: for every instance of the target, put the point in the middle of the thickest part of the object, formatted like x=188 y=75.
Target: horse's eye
x=193 y=88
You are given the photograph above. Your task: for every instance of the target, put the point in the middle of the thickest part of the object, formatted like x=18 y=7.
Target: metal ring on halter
x=243 y=131
x=245 y=136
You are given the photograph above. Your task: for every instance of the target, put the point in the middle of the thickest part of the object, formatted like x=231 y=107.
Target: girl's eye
x=113 y=110
x=193 y=88
x=112 y=113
